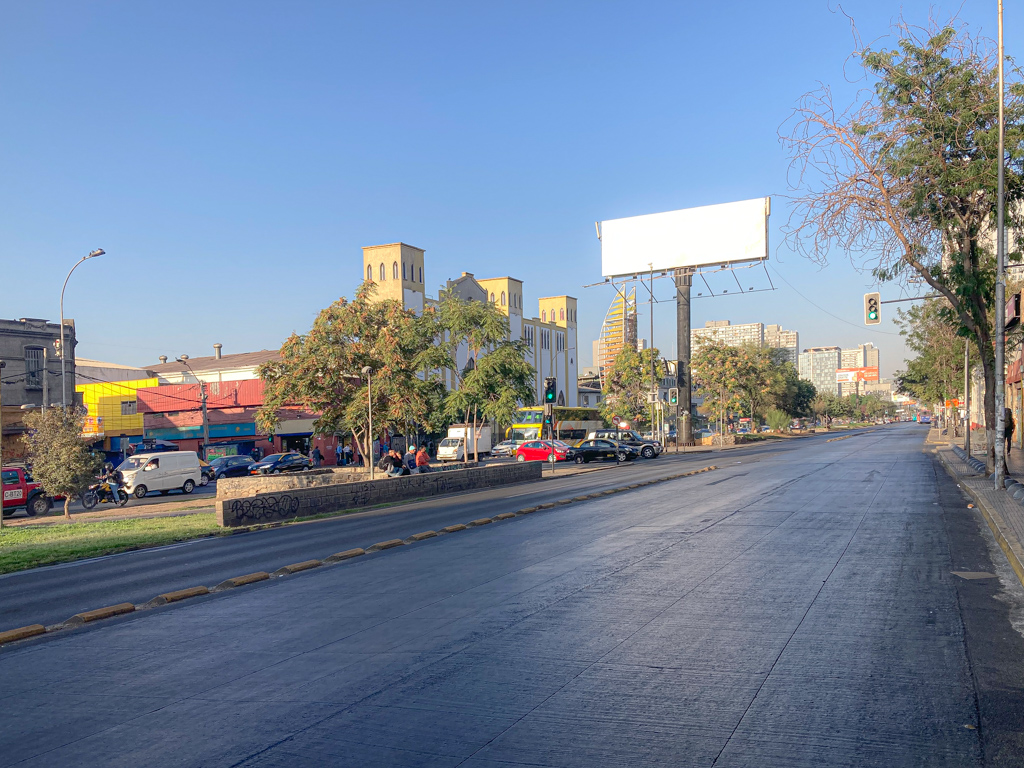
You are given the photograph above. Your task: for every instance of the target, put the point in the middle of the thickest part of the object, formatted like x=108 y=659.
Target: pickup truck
x=20 y=492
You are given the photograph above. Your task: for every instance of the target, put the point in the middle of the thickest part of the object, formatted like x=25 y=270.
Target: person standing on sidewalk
x=1008 y=426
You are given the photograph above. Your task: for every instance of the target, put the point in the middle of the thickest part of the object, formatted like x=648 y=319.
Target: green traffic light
x=872 y=315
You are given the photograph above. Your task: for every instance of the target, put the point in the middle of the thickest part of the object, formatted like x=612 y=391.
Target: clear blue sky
x=233 y=157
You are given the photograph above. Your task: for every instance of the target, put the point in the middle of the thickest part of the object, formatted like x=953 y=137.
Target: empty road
x=796 y=609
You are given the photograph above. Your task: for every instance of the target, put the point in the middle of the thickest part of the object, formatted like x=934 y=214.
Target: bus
x=571 y=424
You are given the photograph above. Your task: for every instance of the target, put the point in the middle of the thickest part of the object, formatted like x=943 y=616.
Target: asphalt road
x=799 y=609
x=52 y=594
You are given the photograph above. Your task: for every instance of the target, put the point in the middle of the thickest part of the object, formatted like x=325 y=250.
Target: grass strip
x=31 y=547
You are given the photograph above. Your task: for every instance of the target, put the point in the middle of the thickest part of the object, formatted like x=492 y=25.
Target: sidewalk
x=1004 y=515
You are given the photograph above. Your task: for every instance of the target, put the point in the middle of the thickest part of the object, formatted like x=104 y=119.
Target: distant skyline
x=233 y=158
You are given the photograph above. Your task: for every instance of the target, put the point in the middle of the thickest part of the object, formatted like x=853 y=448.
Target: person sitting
x=409 y=459
x=393 y=464
x=422 y=460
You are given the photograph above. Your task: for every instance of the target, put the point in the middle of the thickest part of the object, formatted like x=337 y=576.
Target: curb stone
x=239 y=581
x=454 y=528
x=173 y=597
x=348 y=554
x=296 y=567
x=100 y=613
x=505 y=516
x=422 y=536
x=389 y=544
x=481 y=521
x=21 y=633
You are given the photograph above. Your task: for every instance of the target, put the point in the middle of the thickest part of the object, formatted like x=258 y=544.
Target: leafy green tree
x=777 y=420
x=717 y=372
x=936 y=373
x=321 y=370
x=627 y=385
x=499 y=384
x=62 y=461
x=904 y=180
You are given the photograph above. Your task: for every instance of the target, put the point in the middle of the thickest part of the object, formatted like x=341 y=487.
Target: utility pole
x=684 y=422
x=369 y=409
x=967 y=397
x=202 y=400
x=1000 y=442
x=63 y=346
x=46 y=377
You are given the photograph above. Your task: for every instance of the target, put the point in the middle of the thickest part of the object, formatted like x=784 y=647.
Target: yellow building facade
x=113 y=410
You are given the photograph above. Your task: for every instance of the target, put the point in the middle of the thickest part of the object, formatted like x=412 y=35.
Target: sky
x=232 y=158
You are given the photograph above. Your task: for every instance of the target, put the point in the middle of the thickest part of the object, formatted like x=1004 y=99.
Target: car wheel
x=579 y=460
x=520 y=457
x=219 y=477
x=647 y=452
x=140 y=491
x=188 y=487
x=276 y=472
x=622 y=458
x=204 y=480
x=38 y=506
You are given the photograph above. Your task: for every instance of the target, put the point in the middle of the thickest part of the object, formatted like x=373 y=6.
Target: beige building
x=757 y=334
x=398 y=270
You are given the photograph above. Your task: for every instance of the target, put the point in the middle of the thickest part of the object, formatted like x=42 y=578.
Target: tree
x=904 y=180
x=777 y=420
x=322 y=370
x=481 y=331
x=936 y=373
x=61 y=460
x=717 y=369
x=628 y=383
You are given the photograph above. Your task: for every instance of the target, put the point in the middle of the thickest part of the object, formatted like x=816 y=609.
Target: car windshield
x=560 y=444
x=272 y=457
x=134 y=462
x=450 y=442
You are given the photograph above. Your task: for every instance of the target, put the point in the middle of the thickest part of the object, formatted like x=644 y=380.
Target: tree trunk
x=67 y=506
x=988 y=366
x=476 y=455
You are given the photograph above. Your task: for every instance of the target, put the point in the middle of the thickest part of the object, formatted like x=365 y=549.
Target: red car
x=540 y=450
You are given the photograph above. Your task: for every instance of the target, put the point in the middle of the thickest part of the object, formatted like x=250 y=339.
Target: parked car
x=21 y=492
x=276 y=463
x=505 y=448
x=231 y=466
x=206 y=473
x=646 y=448
x=164 y=471
x=541 y=450
x=601 y=450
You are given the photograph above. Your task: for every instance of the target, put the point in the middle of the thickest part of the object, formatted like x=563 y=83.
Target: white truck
x=453 y=447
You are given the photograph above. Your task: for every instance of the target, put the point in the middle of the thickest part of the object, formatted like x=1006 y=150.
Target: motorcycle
x=104 y=491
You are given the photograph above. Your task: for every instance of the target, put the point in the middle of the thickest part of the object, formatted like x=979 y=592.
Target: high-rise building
x=818 y=365
x=862 y=356
x=758 y=334
x=617 y=331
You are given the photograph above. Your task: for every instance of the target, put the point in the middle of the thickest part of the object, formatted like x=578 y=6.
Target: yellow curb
x=239 y=581
x=527 y=510
x=609 y=492
x=564 y=501
x=424 y=535
x=180 y=594
x=481 y=521
x=305 y=565
x=348 y=554
x=389 y=544
x=21 y=633
x=505 y=516
x=454 y=528
x=100 y=613
x=549 y=505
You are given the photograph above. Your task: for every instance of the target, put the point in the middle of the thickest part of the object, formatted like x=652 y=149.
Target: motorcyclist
x=111 y=480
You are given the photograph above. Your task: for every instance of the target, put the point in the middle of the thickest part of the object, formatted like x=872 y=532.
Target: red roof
x=168 y=398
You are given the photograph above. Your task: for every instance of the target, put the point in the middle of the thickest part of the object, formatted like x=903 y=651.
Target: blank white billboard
x=692 y=237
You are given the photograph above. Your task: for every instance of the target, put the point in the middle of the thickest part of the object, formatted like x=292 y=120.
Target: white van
x=164 y=471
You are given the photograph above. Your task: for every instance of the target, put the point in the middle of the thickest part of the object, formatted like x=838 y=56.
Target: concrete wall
x=321 y=496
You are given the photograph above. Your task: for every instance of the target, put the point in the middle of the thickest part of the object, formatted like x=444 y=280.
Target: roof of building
x=388 y=245
x=84 y=362
x=223 y=363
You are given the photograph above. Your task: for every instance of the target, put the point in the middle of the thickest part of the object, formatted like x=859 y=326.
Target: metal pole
x=1000 y=443
x=206 y=422
x=967 y=397
x=46 y=377
x=63 y=346
x=684 y=420
x=369 y=408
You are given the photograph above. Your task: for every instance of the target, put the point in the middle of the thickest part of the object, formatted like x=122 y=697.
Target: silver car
x=505 y=448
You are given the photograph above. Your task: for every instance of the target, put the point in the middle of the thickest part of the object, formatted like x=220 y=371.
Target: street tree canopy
x=627 y=384
x=62 y=461
x=904 y=180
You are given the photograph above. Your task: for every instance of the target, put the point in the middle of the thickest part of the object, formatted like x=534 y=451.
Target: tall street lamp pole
x=2 y=365
x=369 y=409
x=202 y=398
x=63 y=371
x=1000 y=442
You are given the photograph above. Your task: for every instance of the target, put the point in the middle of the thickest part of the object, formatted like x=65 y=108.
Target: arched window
x=492 y=297
x=383 y=274
x=403 y=270
x=394 y=271
x=561 y=314
x=369 y=272
x=503 y=298
x=421 y=275
x=544 y=315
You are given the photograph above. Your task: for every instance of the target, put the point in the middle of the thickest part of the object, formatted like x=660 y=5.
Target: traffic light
x=872 y=311
x=550 y=385
x=673 y=396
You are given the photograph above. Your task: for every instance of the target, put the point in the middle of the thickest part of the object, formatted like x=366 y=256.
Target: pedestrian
x=316 y=456
x=409 y=459
x=346 y=454
x=1008 y=426
x=339 y=454
x=393 y=464
x=422 y=460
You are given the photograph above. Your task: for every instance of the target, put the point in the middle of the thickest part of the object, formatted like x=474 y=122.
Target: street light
x=202 y=399
x=369 y=408
x=63 y=371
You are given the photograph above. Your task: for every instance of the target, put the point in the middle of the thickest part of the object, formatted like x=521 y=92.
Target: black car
x=646 y=448
x=276 y=463
x=600 y=450
x=231 y=466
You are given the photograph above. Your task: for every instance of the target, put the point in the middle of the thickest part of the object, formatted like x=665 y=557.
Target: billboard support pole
x=684 y=406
